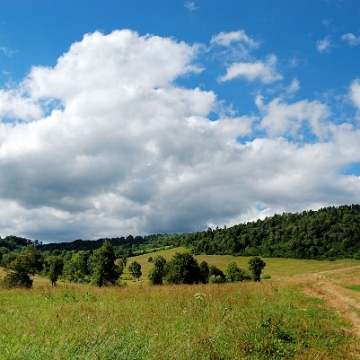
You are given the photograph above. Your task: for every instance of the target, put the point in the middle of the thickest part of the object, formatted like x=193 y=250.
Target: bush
x=214 y=271
x=16 y=279
x=266 y=277
x=234 y=273
x=216 y=279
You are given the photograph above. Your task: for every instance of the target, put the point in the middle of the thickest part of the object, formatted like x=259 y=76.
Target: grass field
x=286 y=317
x=278 y=269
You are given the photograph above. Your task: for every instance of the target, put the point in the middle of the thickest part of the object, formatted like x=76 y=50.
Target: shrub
x=216 y=279
x=234 y=273
x=214 y=271
x=16 y=279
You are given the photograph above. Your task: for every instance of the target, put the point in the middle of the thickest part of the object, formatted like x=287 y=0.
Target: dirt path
x=345 y=302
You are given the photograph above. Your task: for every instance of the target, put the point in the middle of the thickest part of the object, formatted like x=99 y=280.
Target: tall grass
x=217 y=321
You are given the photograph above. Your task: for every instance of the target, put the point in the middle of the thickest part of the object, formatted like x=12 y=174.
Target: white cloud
x=351 y=39
x=15 y=106
x=124 y=138
x=355 y=92
x=7 y=51
x=287 y=119
x=228 y=38
x=126 y=150
x=294 y=87
x=238 y=45
x=190 y=5
x=264 y=71
x=323 y=45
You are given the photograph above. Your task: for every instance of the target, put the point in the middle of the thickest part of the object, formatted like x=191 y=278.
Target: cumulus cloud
x=355 y=93
x=294 y=87
x=351 y=39
x=238 y=45
x=229 y=38
x=123 y=136
x=263 y=71
x=106 y=143
x=15 y=106
x=281 y=118
x=323 y=45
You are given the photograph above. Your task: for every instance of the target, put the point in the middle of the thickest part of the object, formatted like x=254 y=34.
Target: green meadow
x=278 y=318
x=278 y=268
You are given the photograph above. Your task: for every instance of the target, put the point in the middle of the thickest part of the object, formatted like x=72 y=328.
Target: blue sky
x=134 y=117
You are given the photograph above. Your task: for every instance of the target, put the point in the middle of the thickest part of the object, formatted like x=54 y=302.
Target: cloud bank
x=107 y=144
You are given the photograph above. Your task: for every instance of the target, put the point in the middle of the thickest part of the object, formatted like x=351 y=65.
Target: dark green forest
x=329 y=233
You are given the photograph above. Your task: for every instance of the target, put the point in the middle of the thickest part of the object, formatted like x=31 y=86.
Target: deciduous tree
x=27 y=263
x=204 y=272
x=234 y=273
x=102 y=266
x=54 y=267
x=183 y=269
x=157 y=273
x=256 y=266
x=135 y=269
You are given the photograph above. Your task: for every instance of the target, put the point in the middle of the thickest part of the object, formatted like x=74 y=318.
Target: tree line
x=183 y=268
x=101 y=268
x=97 y=267
x=329 y=233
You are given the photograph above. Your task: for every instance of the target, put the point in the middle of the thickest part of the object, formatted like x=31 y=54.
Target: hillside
x=329 y=233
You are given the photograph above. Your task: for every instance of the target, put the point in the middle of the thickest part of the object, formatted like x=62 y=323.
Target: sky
x=161 y=116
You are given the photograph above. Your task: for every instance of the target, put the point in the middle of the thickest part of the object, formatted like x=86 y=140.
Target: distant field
x=278 y=269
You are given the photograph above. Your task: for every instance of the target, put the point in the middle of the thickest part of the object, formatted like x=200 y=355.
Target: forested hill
x=329 y=233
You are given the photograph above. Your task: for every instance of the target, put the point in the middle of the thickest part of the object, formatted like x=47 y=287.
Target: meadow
x=289 y=316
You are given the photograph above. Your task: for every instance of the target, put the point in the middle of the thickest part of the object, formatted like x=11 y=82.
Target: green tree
x=102 y=266
x=54 y=268
x=135 y=269
x=234 y=273
x=27 y=263
x=3 y=250
x=256 y=265
x=216 y=275
x=7 y=258
x=76 y=268
x=157 y=273
x=204 y=272
x=183 y=269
